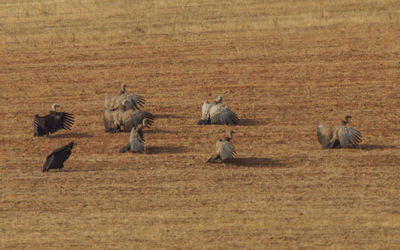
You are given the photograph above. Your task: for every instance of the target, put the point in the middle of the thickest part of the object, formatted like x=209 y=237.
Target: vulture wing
x=137 y=117
x=324 y=134
x=39 y=126
x=216 y=156
x=133 y=101
x=227 y=151
x=62 y=120
x=221 y=114
x=205 y=114
x=109 y=102
x=50 y=163
x=348 y=137
x=110 y=122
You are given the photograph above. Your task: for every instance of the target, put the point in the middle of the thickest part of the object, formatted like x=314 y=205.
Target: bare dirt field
x=282 y=66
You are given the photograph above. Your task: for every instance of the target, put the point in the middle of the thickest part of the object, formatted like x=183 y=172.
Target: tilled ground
x=282 y=191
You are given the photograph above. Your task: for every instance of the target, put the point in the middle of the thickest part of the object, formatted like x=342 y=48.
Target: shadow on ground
x=375 y=146
x=72 y=135
x=168 y=116
x=250 y=122
x=159 y=131
x=256 y=162
x=165 y=150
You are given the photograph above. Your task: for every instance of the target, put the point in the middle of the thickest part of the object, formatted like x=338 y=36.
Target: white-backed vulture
x=126 y=119
x=341 y=136
x=51 y=123
x=225 y=151
x=56 y=159
x=217 y=113
x=136 y=139
x=133 y=101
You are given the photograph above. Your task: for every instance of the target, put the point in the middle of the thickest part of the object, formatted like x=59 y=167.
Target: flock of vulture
x=122 y=114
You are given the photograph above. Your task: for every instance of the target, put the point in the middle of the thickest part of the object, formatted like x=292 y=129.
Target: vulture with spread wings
x=225 y=151
x=133 y=101
x=51 y=123
x=57 y=158
x=126 y=119
x=136 y=139
x=217 y=113
x=341 y=136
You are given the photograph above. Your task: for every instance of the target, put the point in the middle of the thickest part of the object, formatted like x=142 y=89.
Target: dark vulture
x=126 y=119
x=57 y=158
x=217 y=113
x=225 y=151
x=341 y=136
x=136 y=139
x=51 y=123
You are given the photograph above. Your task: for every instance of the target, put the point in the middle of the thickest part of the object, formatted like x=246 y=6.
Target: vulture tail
x=126 y=148
x=203 y=122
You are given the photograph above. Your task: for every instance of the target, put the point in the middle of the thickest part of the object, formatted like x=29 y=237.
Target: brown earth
x=283 y=67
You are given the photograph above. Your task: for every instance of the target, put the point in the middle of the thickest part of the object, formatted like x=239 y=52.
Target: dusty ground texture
x=283 y=67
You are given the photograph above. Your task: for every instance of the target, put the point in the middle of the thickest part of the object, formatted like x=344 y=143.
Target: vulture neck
x=228 y=137
x=123 y=90
x=345 y=121
x=139 y=127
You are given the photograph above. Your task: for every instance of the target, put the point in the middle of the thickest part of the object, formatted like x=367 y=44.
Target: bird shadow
x=170 y=116
x=249 y=122
x=159 y=131
x=256 y=162
x=165 y=149
x=72 y=135
x=79 y=170
x=375 y=146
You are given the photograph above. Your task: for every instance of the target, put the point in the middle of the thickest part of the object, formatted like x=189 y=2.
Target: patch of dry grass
x=59 y=23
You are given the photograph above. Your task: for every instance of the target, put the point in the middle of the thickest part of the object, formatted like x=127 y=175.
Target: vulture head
x=346 y=119
x=123 y=88
x=71 y=144
x=219 y=99
x=54 y=107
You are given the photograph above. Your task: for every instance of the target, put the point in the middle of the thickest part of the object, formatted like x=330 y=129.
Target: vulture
x=57 y=158
x=217 y=113
x=133 y=101
x=109 y=124
x=341 y=136
x=51 y=123
x=126 y=119
x=225 y=151
x=136 y=139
